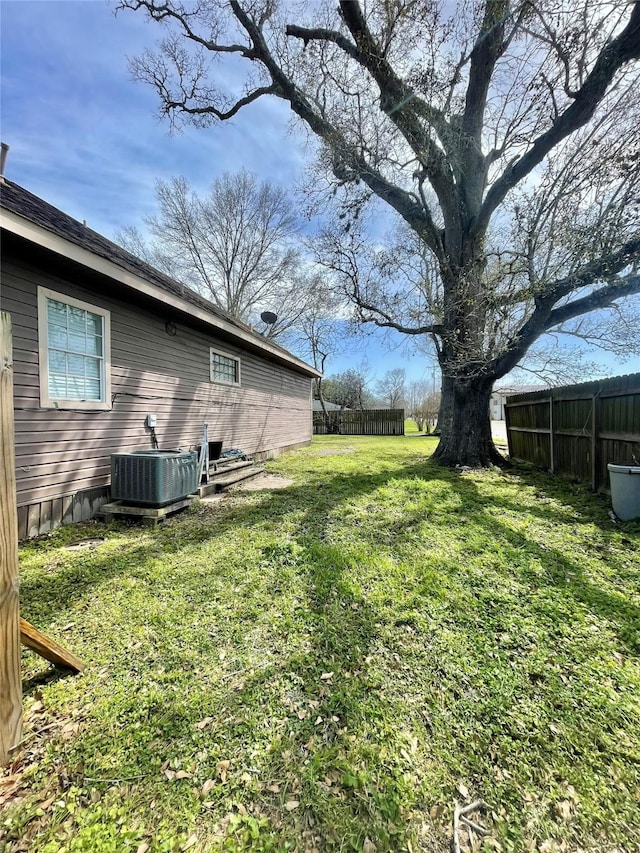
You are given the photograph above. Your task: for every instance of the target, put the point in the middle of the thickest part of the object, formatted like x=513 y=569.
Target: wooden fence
x=359 y=422
x=577 y=429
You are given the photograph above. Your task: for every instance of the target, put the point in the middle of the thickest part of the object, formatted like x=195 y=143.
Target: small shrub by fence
x=359 y=422
x=577 y=429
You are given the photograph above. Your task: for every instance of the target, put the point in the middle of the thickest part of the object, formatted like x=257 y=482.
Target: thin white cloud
x=84 y=137
x=87 y=139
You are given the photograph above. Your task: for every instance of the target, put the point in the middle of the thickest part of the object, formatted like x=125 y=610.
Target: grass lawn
x=333 y=665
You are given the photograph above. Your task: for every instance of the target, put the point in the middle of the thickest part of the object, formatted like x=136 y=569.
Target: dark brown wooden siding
x=60 y=453
x=577 y=430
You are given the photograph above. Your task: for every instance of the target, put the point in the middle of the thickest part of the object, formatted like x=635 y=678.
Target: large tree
x=504 y=135
x=236 y=245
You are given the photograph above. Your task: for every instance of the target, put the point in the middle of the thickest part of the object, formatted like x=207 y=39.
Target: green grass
x=331 y=666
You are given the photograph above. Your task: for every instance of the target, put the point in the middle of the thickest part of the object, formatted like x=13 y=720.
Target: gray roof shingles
x=20 y=201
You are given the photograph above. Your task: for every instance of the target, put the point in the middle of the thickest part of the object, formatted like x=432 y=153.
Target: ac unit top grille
x=153 y=477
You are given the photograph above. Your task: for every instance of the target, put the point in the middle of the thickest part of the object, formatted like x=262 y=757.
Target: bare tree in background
x=315 y=335
x=505 y=135
x=349 y=389
x=234 y=245
x=392 y=387
x=417 y=390
x=430 y=409
x=420 y=401
x=424 y=404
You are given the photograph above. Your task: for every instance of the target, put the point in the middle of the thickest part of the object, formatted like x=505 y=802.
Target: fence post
x=552 y=461
x=10 y=682
x=595 y=442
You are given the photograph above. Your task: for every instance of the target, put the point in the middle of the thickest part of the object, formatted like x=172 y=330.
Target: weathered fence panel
x=359 y=422
x=577 y=429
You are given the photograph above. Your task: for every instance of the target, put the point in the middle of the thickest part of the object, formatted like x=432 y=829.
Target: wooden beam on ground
x=48 y=648
x=10 y=680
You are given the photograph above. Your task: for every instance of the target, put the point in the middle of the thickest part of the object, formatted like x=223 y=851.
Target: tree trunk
x=445 y=411
x=466 y=435
x=321 y=396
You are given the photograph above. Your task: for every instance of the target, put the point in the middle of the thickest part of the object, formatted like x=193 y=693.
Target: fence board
x=359 y=422
x=577 y=429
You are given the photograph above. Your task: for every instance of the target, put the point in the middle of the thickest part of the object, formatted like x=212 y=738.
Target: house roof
x=330 y=407
x=36 y=220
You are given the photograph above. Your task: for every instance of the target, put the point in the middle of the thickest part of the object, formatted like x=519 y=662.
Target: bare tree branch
x=234 y=245
x=622 y=49
x=602 y=298
x=503 y=135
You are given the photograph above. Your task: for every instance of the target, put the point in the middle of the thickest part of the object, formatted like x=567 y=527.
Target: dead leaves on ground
x=206 y=788
x=561 y=811
x=40 y=727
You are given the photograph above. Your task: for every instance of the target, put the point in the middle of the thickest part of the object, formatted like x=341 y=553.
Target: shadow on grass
x=320 y=759
x=319 y=503
x=46 y=596
x=50 y=675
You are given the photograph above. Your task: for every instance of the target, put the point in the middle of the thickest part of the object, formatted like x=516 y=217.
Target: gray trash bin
x=625 y=490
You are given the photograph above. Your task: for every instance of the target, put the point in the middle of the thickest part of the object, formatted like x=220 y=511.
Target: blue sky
x=87 y=139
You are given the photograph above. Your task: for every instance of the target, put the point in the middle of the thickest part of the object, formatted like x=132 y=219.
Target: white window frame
x=230 y=356
x=46 y=402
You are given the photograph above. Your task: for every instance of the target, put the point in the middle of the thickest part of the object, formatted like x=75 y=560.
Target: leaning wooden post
x=10 y=680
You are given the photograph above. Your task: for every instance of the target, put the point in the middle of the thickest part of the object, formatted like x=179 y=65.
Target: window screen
x=75 y=352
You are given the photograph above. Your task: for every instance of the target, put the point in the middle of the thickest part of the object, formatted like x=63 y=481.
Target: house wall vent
x=153 y=477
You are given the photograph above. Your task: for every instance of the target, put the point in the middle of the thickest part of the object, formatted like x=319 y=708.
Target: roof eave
x=24 y=228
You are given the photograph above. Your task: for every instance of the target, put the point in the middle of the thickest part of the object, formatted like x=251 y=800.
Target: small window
x=224 y=368
x=74 y=353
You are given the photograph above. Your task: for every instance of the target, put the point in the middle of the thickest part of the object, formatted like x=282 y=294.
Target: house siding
x=63 y=456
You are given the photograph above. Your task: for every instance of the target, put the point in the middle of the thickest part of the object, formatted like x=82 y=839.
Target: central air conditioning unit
x=153 y=477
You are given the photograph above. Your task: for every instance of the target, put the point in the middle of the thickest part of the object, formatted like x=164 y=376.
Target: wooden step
x=216 y=468
x=221 y=482
x=222 y=473
x=238 y=476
